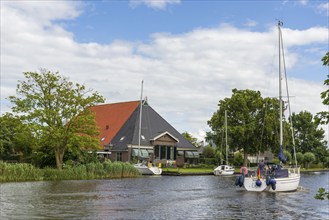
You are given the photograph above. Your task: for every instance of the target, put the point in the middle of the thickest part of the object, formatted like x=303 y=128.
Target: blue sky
x=190 y=54
x=105 y=21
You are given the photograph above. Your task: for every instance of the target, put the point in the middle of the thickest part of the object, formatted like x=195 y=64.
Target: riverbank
x=26 y=172
x=209 y=171
x=187 y=171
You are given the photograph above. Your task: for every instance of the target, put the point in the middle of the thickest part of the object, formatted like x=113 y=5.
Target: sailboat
x=276 y=178
x=144 y=167
x=224 y=170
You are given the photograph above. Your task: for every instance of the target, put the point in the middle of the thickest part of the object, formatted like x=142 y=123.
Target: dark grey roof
x=152 y=126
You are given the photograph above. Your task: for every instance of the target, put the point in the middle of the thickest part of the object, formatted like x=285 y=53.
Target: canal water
x=160 y=197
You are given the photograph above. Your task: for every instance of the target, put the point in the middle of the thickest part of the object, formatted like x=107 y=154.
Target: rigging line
x=226 y=151
x=221 y=146
x=288 y=98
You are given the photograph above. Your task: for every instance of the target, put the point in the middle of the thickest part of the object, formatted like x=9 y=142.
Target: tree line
x=253 y=128
x=51 y=123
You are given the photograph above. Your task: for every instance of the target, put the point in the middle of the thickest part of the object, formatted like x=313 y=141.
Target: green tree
x=209 y=152
x=287 y=155
x=322 y=155
x=219 y=156
x=309 y=158
x=16 y=139
x=58 y=111
x=217 y=141
x=323 y=117
x=191 y=139
x=308 y=137
x=238 y=159
x=252 y=122
x=300 y=157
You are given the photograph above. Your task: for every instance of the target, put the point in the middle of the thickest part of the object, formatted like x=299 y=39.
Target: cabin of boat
x=224 y=170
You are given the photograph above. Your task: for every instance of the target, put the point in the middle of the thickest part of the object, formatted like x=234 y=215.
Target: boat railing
x=273 y=169
x=294 y=169
x=252 y=171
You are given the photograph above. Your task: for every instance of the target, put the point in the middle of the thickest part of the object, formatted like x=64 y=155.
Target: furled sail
x=282 y=158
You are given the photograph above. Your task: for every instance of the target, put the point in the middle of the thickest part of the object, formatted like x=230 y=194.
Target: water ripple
x=165 y=197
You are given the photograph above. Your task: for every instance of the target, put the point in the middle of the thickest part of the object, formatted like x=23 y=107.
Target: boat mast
x=226 y=137
x=140 y=119
x=280 y=85
x=288 y=100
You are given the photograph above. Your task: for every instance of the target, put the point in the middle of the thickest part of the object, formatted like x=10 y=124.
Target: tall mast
x=140 y=117
x=226 y=137
x=288 y=96
x=280 y=84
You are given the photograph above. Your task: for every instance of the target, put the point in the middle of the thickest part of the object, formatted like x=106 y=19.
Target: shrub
x=27 y=172
x=238 y=159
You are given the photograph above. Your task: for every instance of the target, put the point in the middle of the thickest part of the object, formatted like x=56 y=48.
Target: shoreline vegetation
x=209 y=171
x=20 y=172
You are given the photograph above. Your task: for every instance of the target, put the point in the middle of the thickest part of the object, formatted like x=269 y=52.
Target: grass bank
x=27 y=172
x=187 y=171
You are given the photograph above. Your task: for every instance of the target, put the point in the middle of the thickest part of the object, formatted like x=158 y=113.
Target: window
x=119 y=156
x=163 y=152
x=157 y=152
x=168 y=153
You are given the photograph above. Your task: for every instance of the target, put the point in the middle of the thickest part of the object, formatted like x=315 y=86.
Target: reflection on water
x=161 y=197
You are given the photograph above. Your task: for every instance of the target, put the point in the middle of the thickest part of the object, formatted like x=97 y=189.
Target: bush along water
x=26 y=172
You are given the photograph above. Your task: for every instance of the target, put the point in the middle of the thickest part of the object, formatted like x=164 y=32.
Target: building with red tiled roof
x=152 y=138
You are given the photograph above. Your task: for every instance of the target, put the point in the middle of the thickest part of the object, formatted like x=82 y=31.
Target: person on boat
x=261 y=165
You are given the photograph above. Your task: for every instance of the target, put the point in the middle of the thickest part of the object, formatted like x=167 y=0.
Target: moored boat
x=149 y=169
x=144 y=167
x=223 y=170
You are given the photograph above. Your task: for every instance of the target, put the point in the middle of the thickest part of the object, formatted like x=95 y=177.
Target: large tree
x=58 y=111
x=308 y=136
x=252 y=122
x=323 y=117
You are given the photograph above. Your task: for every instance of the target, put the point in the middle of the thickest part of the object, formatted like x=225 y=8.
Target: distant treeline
x=12 y=172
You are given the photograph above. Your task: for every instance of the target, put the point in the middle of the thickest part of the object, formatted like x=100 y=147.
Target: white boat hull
x=223 y=173
x=285 y=184
x=145 y=170
x=276 y=179
x=223 y=170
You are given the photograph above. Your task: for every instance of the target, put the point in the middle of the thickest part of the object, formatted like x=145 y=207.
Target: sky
x=190 y=54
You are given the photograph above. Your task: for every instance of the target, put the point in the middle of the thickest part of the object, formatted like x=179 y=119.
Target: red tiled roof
x=111 y=117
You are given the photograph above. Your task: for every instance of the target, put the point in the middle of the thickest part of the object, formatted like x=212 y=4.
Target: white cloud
x=250 y=23
x=303 y=2
x=184 y=75
x=324 y=8
x=158 y=4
